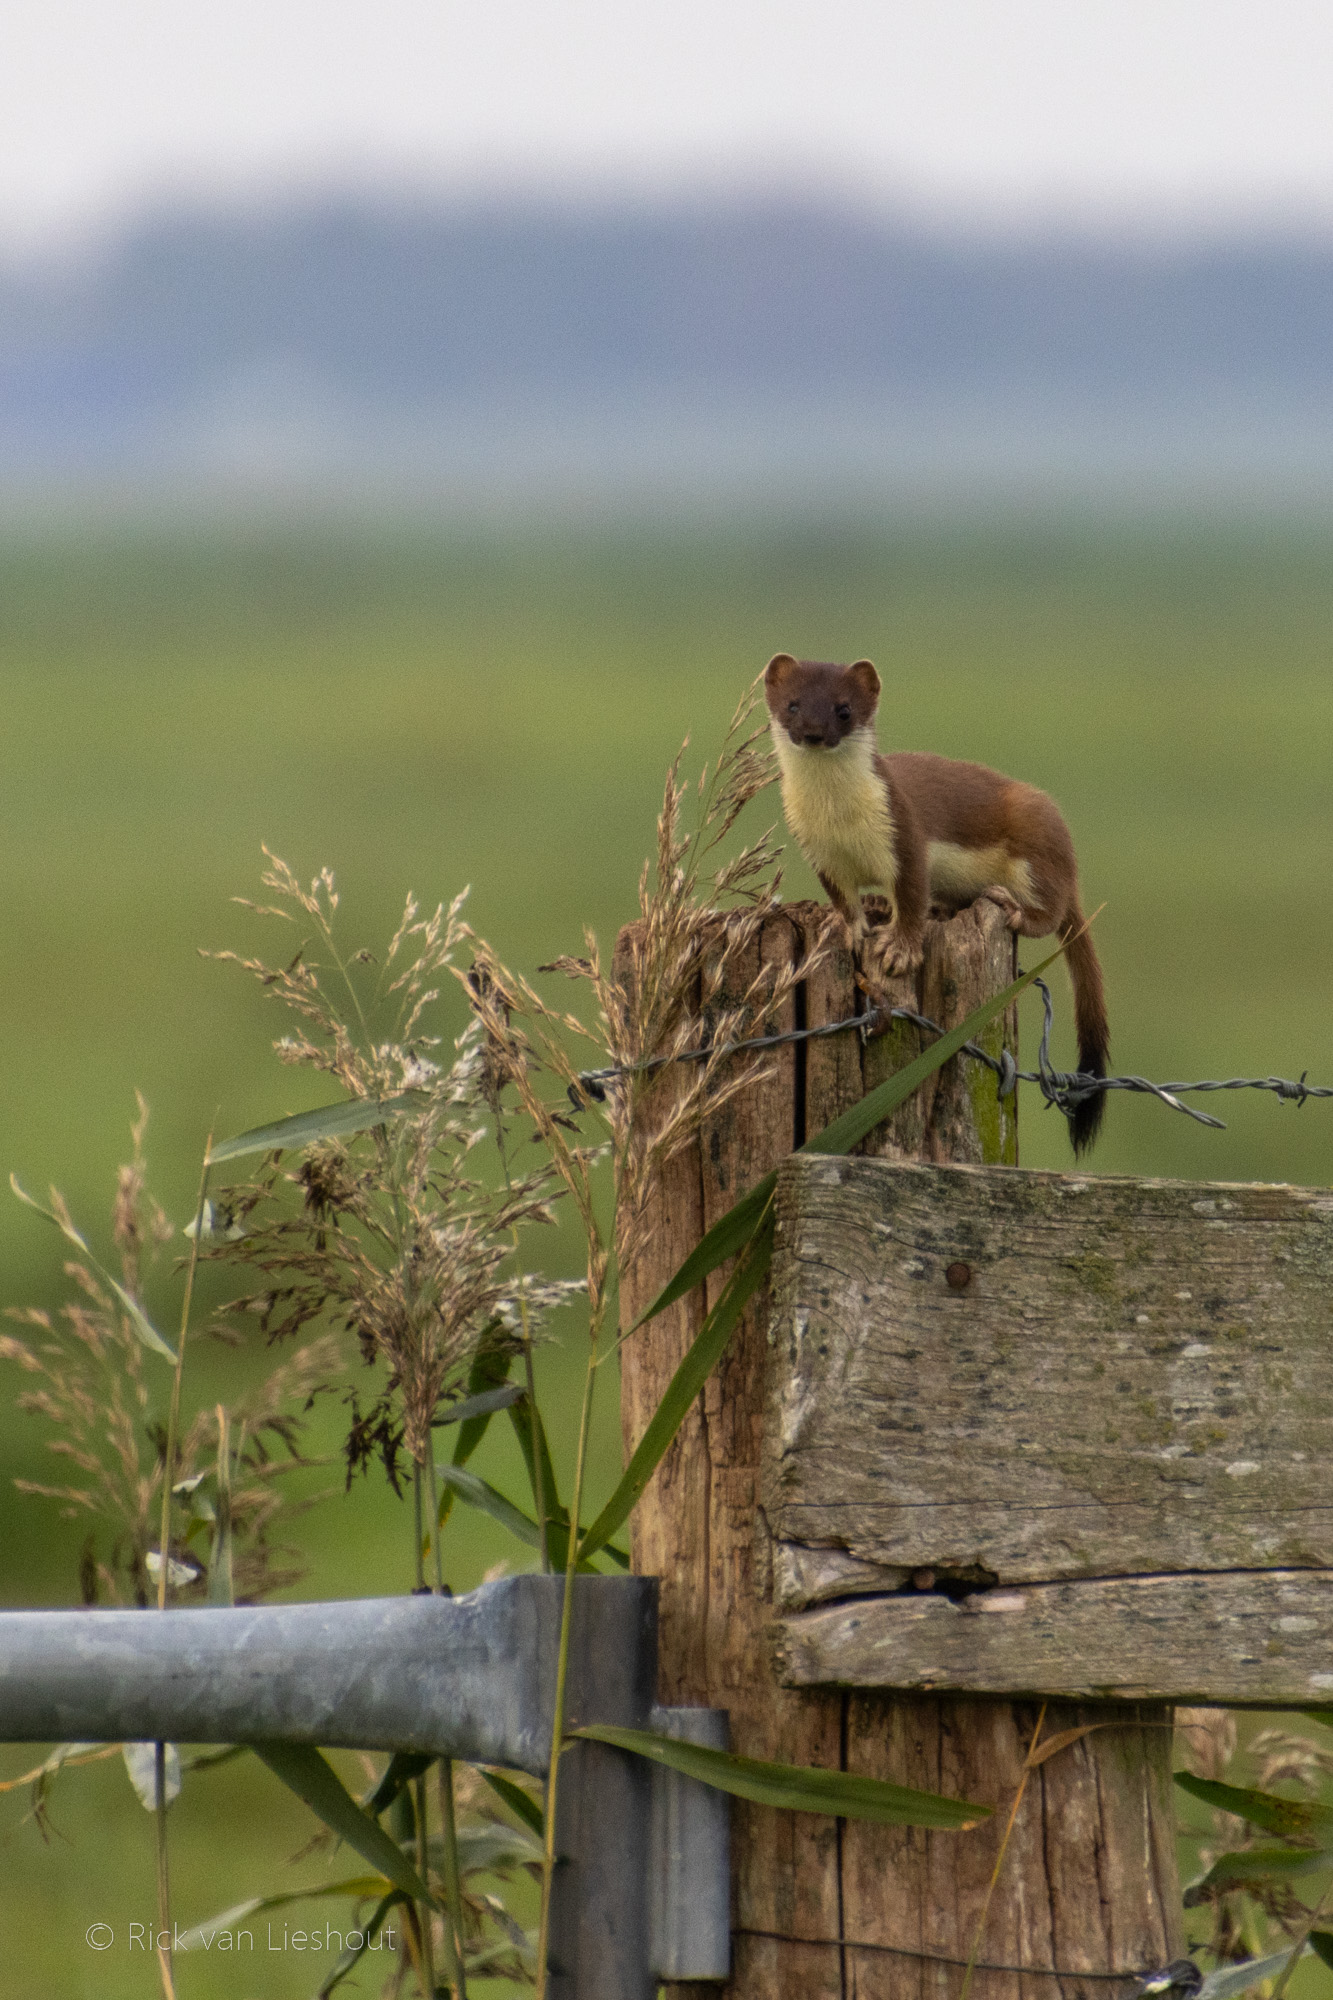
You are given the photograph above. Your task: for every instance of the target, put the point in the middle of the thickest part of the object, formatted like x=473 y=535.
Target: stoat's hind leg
x=1030 y=923
x=1004 y=899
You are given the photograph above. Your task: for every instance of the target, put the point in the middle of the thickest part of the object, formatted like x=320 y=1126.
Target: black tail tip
x=1085 y=1121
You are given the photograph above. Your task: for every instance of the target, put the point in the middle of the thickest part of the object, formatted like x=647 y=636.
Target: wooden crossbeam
x=1051 y=1433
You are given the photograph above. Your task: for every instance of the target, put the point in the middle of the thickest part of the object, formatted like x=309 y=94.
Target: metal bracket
x=690 y=1857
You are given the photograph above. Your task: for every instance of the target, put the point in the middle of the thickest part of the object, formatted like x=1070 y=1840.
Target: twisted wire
x=1182 y=1977
x=1065 y=1089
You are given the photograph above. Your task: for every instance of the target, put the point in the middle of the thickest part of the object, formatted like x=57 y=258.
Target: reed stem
x=163 y=1580
x=562 y=1666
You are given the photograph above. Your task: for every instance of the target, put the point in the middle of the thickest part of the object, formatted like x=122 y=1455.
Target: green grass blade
x=356 y=1887
x=305 y=1772
x=524 y=1420
x=487 y=1847
x=1230 y=1981
x=483 y=1405
x=795 y=1787
x=517 y=1800
x=848 y=1130
x=60 y=1222
x=727 y=1238
x=221 y=1580
x=349 y=1958
x=478 y=1493
x=1299 y=1817
x=208 y=1760
x=488 y=1371
x=706 y=1351
x=1255 y=1864
x=403 y=1766
x=330 y=1121
x=139 y=1320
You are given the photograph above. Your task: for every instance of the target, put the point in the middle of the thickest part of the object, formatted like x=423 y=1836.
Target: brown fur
x=984 y=821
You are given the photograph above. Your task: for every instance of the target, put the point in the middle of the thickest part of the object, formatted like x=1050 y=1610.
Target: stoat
x=923 y=829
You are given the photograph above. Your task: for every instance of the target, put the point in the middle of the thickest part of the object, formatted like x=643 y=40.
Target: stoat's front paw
x=891 y=952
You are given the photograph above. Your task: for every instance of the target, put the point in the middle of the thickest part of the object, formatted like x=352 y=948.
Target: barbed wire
x=1065 y=1089
x=1181 y=1978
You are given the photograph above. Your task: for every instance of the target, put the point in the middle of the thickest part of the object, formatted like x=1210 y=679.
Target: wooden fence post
x=823 y=1909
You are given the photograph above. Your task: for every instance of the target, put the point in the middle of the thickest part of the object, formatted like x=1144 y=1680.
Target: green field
x=423 y=708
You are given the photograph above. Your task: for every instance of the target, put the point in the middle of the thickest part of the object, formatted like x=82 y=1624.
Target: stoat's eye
x=844 y=712
x=792 y=707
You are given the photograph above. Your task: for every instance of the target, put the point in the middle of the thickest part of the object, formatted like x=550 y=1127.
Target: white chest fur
x=837 y=807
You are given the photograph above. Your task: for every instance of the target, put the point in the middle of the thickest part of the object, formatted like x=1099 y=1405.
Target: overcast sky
x=1006 y=112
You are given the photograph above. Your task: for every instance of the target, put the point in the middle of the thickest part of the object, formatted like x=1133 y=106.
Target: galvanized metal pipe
x=469 y=1677
x=641 y=1888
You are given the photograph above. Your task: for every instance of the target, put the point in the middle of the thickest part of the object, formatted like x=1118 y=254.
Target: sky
x=1004 y=114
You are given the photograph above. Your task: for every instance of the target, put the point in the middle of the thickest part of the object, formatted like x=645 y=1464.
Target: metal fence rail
x=642 y=1890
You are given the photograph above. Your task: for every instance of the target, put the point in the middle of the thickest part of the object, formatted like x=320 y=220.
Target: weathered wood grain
x=1088 y=1882
x=1135 y=1378
x=1260 y=1638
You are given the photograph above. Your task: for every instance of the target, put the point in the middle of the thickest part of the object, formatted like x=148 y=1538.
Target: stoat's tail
x=1094 y=1034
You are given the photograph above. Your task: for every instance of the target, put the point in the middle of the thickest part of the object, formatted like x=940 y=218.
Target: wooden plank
x=1132 y=1378
x=1263 y=1639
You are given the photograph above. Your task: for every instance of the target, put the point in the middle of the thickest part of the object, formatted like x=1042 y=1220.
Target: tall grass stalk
x=562 y=1662
x=454 y=1942
x=424 y=1911
x=164 y=1965
x=454 y=1939
x=163 y=1581
x=493 y=1090
x=174 y=1412
x=1028 y=1768
x=534 y=1426
x=426 y=1969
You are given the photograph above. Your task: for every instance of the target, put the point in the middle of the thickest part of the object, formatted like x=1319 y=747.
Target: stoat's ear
x=867 y=680
x=777 y=670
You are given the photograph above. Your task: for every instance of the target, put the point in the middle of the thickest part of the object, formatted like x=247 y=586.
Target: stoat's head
x=817 y=705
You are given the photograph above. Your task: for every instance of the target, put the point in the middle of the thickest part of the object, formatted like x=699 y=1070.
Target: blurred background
x=415 y=420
